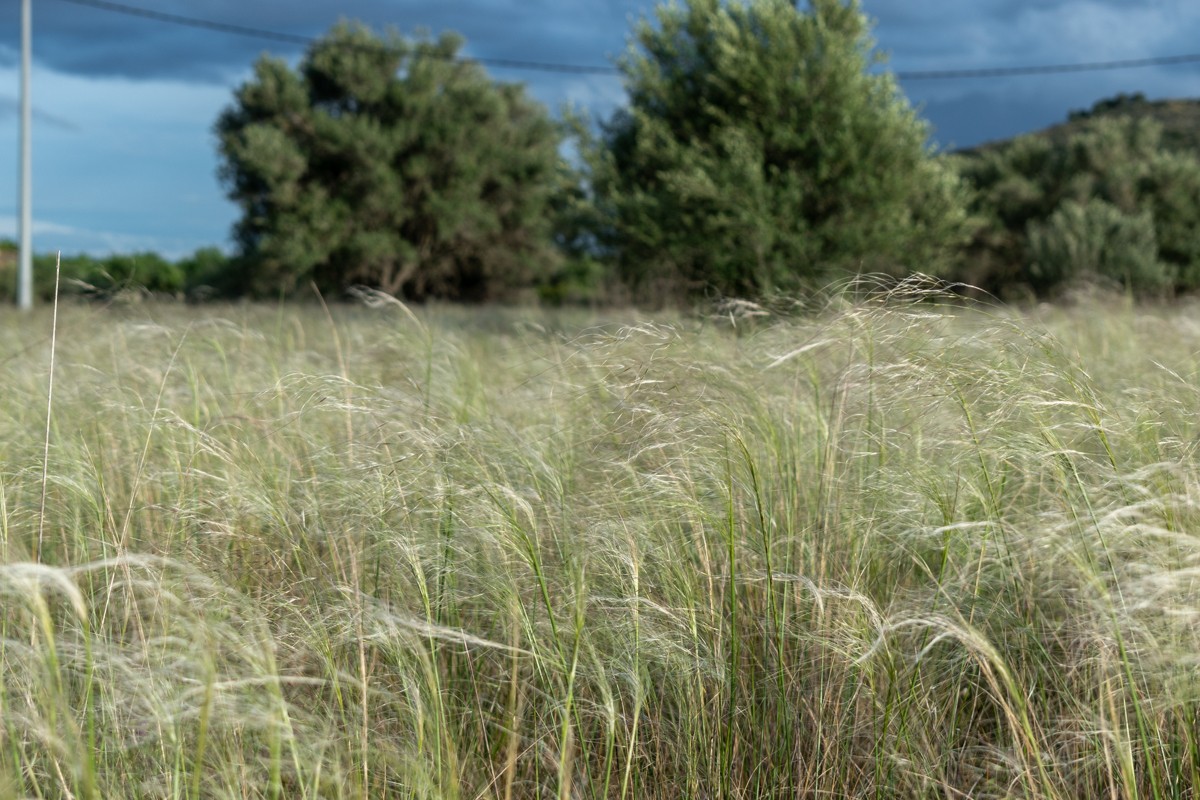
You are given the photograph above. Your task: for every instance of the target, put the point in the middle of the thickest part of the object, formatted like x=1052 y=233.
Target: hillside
x=1180 y=119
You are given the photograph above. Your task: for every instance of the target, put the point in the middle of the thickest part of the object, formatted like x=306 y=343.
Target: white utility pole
x=25 y=267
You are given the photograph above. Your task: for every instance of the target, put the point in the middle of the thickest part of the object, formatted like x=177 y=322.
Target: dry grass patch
x=897 y=548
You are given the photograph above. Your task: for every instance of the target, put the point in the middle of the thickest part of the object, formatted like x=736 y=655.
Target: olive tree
x=760 y=153
x=390 y=163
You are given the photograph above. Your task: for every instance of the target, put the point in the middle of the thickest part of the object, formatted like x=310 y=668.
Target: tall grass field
x=893 y=547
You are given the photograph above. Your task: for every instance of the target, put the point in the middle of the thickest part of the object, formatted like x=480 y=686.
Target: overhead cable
x=290 y=38
x=589 y=69
x=1046 y=69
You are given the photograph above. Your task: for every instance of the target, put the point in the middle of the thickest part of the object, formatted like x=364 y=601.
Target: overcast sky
x=125 y=159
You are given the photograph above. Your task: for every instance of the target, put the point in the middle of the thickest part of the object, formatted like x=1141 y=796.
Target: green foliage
x=582 y=276
x=206 y=272
x=1112 y=179
x=141 y=273
x=1179 y=118
x=1169 y=185
x=389 y=163
x=147 y=270
x=758 y=154
x=43 y=272
x=210 y=272
x=1099 y=240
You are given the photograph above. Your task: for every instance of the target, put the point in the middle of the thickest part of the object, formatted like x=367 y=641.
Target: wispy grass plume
x=891 y=547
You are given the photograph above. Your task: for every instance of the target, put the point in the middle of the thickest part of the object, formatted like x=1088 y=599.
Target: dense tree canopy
x=1106 y=200
x=390 y=163
x=759 y=153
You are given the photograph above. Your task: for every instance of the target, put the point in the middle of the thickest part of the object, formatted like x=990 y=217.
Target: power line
x=585 y=69
x=192 y=22
x=289 y=38
x=1046 y=69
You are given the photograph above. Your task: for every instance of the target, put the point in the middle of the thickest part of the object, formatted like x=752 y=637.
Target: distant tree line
x=759 y=154
x=201 y=275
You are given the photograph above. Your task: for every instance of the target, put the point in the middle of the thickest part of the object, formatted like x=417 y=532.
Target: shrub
x=1096 y=240
x=1169 y=184
x=148 y=271
x=1111 y=178
x=210 y=272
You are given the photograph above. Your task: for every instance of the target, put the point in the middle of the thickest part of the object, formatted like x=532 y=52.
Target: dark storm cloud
x=1028 y=31
x=916 y=35
x=983 y=116
x=99 y=43
x=962 y=35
